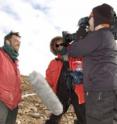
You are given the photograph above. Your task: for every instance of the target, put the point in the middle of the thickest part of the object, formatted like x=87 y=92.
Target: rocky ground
x=33 y=111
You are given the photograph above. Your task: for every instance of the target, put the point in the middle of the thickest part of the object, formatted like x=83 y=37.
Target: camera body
x=67 y=37
x=83 y=24
x=82 y=30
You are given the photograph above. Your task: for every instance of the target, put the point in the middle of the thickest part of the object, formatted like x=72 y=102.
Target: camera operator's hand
x=81 y=33
x=66 y=38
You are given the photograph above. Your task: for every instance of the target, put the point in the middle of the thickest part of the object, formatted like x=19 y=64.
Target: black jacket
x=100 y=59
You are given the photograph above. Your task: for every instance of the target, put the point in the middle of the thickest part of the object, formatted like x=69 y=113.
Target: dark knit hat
x=102 y=14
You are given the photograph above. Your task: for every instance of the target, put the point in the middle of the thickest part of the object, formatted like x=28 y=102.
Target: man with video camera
x=99 y=50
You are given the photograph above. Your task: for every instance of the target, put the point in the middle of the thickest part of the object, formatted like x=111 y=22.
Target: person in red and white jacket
x=61 y=75
x=10 y=92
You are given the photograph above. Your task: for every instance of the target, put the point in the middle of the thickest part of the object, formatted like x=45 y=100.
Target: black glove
x=81 y=33
x=66 y=38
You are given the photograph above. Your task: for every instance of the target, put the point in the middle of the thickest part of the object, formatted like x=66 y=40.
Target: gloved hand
x=81 y=33
x=77 y=77
x=67 y=37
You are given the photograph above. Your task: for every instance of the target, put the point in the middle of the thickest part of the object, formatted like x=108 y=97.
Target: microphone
x=45 y=92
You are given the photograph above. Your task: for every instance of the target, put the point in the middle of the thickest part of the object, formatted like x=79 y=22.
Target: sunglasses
x=61 y=44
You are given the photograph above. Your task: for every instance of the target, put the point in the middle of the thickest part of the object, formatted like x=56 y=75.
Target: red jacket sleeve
x=53 y=72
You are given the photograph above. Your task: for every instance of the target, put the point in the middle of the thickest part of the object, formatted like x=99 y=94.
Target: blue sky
x=38 y=21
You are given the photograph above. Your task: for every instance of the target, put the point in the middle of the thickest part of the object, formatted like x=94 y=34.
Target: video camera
x=82 y=30
x=83 y=24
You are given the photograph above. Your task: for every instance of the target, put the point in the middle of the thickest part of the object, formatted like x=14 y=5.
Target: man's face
x=15 y=42
x=91 y=23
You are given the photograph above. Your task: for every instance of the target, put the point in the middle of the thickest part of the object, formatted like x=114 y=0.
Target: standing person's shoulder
x=93 y=35
x=1 y=55
x=1 y=51
x=106 y=34
x=101 y=31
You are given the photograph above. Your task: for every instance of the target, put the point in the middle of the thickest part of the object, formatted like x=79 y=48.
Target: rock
x=35 y=115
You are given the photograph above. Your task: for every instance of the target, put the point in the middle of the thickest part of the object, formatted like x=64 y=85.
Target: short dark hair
x=10 y=34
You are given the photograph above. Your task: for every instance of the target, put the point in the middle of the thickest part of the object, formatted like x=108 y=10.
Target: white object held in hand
x=45 y=92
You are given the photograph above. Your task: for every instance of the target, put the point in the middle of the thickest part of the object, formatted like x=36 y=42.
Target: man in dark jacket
x=100 y=66
x=10 y=93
